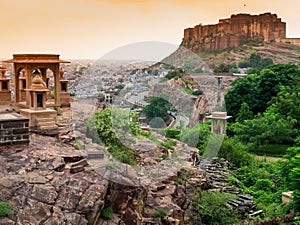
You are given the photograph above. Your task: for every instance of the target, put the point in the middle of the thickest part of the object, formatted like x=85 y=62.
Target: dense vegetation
x=112 y=127
x=266 y=121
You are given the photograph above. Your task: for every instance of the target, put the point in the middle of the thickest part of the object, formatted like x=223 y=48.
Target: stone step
x=49 y=123
x=45 y=119
x=49 y=127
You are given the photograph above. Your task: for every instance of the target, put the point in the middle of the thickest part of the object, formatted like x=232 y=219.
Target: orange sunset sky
x=78 y=29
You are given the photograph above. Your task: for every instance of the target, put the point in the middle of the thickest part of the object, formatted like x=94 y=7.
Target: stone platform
x=14 y=129
x=40 y=119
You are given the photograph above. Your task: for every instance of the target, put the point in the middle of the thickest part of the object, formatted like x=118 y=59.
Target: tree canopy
x=158 y=107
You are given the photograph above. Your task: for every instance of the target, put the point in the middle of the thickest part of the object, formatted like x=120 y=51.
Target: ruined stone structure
x=235 y=31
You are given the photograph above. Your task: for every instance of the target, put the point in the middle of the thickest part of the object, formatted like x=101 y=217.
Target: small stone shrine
x=39 y=116
x=218 y=122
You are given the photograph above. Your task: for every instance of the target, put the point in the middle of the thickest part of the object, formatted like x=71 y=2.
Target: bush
x=5 y=209
x=161 y=213
x=197 y=92
x=235 y=152
x=165 y=156
x=106 y=213
x=172 y=133
x=211 y=209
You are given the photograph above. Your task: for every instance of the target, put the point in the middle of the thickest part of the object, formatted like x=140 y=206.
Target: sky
x=89 y=29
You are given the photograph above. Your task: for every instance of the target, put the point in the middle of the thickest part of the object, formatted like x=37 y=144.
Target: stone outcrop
x=237 y=30
x=37 y=181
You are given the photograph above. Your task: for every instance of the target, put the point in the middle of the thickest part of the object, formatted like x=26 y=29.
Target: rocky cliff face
x=234 y=31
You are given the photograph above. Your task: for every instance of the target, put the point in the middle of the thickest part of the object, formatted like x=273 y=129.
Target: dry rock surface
x=49 y=182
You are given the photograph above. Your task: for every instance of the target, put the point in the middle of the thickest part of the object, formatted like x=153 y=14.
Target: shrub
x=197 y=92
x=235 y=152
x=164 y=156
x=211 y=209
x=5 y=209
x=161 y=213
x=106 y=213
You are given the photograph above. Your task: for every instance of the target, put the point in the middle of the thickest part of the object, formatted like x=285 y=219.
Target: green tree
x=244 y=113
x=287 y=103
x=258 y=90
x=269 y=128
x=242 y=90
x=157 y=107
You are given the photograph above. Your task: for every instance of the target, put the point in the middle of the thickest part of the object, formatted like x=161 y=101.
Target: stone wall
x=234 y=31
x=14 y=129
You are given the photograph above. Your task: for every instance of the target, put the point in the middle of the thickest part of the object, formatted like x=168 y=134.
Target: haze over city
x=88 y=29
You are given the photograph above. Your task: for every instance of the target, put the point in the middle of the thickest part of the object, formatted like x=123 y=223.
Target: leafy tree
x=256 y=62
x=287 y=104
x=244 y=113
x=243 y=90
x=174 y=74
x=157 y=107
x=258 y=90
x=265 y=129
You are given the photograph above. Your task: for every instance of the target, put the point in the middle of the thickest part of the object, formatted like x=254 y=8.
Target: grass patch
x=106 y=213
x=187 y=90
x=5 y=209
x=160 y=213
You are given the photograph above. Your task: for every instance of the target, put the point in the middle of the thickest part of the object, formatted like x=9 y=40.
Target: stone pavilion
x=35 y=77
x=218 y=122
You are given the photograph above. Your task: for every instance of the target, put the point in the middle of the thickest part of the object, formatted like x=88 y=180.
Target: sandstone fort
x=237 y=30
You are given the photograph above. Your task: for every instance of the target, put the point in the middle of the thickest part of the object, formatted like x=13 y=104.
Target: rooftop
x=35 y=58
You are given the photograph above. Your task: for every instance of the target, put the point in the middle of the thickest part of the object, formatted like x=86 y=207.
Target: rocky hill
x=233 y=40
x=48 y=182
